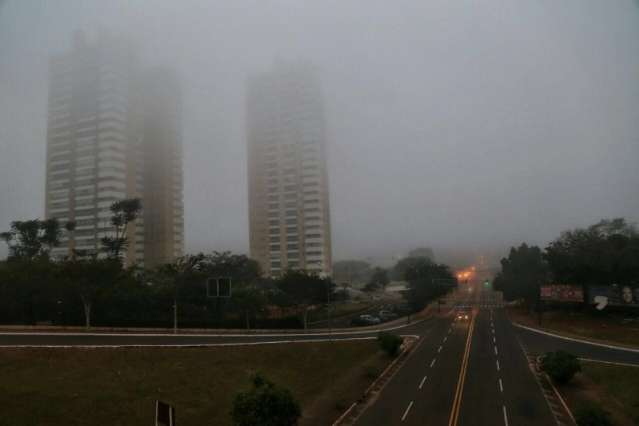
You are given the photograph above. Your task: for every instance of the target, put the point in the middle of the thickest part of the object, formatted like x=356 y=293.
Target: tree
x=265 y=404
x=248 y=300
x=351 y=271
x=422 y=275
x=390 y=343
x=560 y=366
x=91 y=278
x=398 y=272
x=522 y=273
x=240 y=268
x=604 y=253
x=177 y=274
x=32 y=238
x=303 y=290
x=379 y=279
x=123 y=212
x=422 y=252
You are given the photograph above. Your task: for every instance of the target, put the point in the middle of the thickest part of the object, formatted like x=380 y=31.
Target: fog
x=466 y=126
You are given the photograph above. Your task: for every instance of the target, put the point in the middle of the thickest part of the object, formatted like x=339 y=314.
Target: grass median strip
x=119 y=386
x=614 y=388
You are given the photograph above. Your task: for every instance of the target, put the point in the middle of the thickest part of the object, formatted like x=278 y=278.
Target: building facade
x=98 y=139
x=289 y=210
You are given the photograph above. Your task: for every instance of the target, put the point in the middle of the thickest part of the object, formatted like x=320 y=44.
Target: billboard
x=561 y=293
x=614 y=295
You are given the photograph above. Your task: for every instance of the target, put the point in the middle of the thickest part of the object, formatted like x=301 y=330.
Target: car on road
x=462 y=314
x=366 y=320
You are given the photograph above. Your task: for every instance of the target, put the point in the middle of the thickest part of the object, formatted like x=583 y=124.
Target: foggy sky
x=461 y=125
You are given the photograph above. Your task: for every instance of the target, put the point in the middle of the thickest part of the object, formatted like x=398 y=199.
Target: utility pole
x=328 y=307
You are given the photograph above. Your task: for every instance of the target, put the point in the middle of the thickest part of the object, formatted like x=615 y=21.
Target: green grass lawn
x=119 y=386
x=604 y=328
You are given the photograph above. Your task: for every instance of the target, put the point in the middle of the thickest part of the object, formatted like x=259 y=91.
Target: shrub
x=265 y=404
x=592 y=415
x=560 y=366
x=389 y=343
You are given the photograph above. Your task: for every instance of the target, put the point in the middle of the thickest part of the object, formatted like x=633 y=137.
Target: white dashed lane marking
x=407 y=410
x=422 y=382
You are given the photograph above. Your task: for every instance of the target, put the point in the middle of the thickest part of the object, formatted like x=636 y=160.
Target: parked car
x=365 y=320
x=386 y=315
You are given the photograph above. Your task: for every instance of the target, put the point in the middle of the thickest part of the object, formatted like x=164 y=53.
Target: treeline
x=96 y=289
x=603 y=254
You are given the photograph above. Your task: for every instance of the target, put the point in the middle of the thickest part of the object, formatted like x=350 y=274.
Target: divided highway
x=462 y=372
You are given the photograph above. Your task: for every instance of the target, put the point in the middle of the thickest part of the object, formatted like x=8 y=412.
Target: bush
x=592 y=415
x=265 y=404
x=560 y=366
x=389 y=343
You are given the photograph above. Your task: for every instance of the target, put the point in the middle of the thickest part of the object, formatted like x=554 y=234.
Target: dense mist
x=464 y=126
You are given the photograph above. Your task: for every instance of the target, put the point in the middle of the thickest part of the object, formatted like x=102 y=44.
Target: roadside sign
x=164 y=414
x=615 y=295
x=561 y=293
x=219 y=287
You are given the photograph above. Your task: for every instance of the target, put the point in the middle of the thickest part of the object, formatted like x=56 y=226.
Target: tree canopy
x=522 y=272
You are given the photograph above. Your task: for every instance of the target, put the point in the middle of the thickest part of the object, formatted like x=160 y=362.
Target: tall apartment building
x=99 y=137
x=289 y=210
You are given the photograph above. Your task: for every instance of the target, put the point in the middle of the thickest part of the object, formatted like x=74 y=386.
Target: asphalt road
x=464 y=372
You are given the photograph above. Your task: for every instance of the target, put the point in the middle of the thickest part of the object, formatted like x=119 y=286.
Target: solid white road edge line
x=621 y=364
x=572 y=339
x=337 y=333
x=184 y=345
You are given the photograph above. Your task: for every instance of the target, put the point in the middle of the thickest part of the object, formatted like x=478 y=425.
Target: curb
x=557 y=405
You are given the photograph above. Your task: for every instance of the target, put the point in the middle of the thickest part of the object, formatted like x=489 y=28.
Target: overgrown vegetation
x=561 y=366
x=591 y=414
x=265 y=404
x=390 y=343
